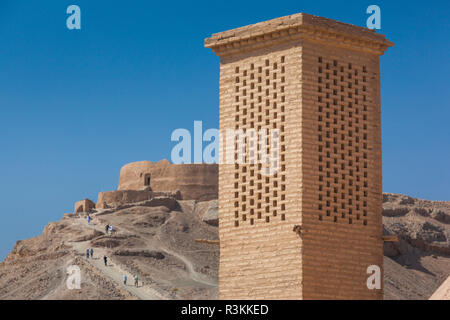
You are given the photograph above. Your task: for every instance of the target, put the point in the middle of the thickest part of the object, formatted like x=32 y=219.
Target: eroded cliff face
x=194 y=181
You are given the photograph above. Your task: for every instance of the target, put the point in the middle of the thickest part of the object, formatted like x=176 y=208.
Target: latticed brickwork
x=342 y=141
x=256 y=238
x=317 y=82
x=260 y=104
x=342 y=194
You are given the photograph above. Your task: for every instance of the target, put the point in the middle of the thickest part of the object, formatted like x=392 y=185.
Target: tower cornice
x=297 y=27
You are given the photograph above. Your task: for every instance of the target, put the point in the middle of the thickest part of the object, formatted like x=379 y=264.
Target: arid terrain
x=420 y=262
x=156 y=241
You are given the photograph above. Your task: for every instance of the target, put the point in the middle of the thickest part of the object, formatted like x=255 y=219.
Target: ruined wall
x=317 y=81
x=85 y=205
x=194 y=181
x=120 y=197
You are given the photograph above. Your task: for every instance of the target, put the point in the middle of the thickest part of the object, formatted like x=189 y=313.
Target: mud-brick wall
x=194 y=181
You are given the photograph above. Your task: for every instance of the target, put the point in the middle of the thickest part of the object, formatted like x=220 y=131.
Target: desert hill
x=156 y=240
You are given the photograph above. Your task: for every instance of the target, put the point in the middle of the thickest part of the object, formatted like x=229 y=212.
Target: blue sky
x=77 y=105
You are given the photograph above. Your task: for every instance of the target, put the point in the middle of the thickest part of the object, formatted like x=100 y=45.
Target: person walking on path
x=89 y=219
x=92 y=252
x=87 y=253
x=105 y=260
x=106 y=228
x=125 y=279
x=136 y=280
x=111 y=229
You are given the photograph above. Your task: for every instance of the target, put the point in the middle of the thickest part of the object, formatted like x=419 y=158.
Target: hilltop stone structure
x=85 y=205
x=311 y=230
x=156 y=181
x=193 y=181
x=145 y=180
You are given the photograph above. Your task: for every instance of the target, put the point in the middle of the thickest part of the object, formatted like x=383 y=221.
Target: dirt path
x=197 y=277
x=194 y=275
x=113 y=270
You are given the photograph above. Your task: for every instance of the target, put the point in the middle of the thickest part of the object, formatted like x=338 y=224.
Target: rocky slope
x=417 y=264
x=156 y=240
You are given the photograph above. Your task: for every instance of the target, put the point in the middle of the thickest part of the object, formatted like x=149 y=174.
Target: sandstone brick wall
x=317 y=81
x=260 y=256
x=341 y=187
x=194 y=181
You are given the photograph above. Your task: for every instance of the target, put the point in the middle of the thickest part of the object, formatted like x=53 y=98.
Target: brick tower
x=317 y=81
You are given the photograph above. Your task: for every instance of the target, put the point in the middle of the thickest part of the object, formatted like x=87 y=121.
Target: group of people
x=89 y=253
x=109 y=229
x=136 y=280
